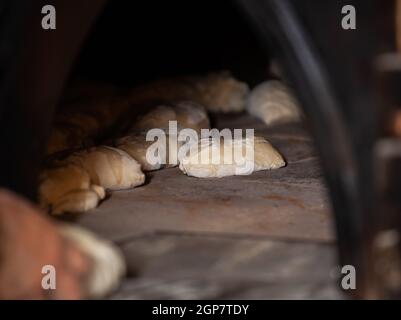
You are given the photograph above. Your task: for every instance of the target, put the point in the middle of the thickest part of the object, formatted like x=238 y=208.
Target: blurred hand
x=28 y=241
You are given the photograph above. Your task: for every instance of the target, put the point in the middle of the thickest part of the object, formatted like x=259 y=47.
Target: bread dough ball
x=137 y=147
x=217 y=92
x=64 y=137
x=79 y=123
x=107 y=261
x=221 y=92
x=111 y=168
x=273 y=102
x=67 y=188
x=76 y=201
x=200 y=161
x=191 y=115
x=77 y=183
x=158 y=117
x=187 y=114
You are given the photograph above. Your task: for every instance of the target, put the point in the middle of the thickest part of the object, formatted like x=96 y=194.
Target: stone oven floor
x=263 y=236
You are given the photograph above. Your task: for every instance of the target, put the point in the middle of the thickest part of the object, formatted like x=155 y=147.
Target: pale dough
x=111 y=168
x=217 y=92
x=191 y=115
x=188 y=115
x=137 y=147
x=79 y=123
x=156 y=118
x=68 y=188
x=273 y=102
x=264 y=157
x=107 y=262
x=78 y=183
x=221 y=92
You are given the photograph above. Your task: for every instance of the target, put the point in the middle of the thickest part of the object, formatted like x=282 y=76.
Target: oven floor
x=267 y=235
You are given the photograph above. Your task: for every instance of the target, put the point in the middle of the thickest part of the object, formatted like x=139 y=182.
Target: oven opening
x=237 y=236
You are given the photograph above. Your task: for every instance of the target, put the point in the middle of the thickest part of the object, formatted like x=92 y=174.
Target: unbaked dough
x=188 y=115
x=273 y=102
x=218 y=92
x=261 y=156
x=78 y=123
x=109 y=167
x=67 y=188
x=107 y=261
x=221 y=92
x=137 y=147
x=78 y=182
